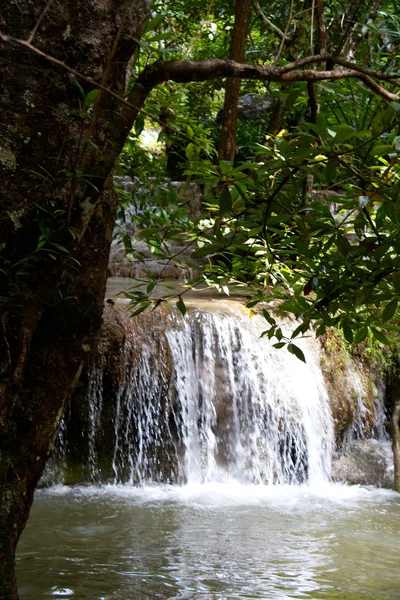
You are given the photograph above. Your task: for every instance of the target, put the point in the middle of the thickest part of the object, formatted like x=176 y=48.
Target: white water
x=231 y=407
x=249 y=412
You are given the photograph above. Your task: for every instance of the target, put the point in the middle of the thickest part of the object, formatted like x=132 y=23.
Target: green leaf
x=268 y=317
x=380 y=216
x=62 y=248
x=80 y=88
x=192 y=151
x=225 y=166
x=41 y=244
x=396 y=281
x=154 y=22
x=389 y=310
x=381 y=337
x=242 y=190
x=342 y=244
x=162 y=36
x=206 y=250
x=297 y=352
x=139 y=124
x=361 y=335
x=180 y=305
x=290 y=306
x=302 y=328
x=344 y=132
x=279 y=345
x=225 y=201
x=347 y=332
x=91 y=98
x=330 y=169
x=146 y=233
x=142 y=307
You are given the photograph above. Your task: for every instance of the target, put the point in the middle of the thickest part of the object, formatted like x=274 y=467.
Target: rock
x=365 y=462
x=141 y=260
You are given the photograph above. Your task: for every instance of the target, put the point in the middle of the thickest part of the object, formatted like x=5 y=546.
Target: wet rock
x=365 y=462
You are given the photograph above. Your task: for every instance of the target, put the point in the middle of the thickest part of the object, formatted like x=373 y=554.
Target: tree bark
x=57 y=213
x=227 y=145
x=395 y=426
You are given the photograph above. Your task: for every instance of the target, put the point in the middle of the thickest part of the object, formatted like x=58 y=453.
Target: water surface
x=212 y=542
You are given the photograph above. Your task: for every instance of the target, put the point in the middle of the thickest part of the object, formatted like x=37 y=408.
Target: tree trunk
x=227 y=145
x=395 y=426
x=393 y=395
x=57 y=213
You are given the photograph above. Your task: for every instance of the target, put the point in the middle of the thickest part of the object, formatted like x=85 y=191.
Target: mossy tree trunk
x=57 y=211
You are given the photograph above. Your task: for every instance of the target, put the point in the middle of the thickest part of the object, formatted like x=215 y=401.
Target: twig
x=39 y=21
x=197 y=38
x=350 y=27
x=271 y=26
x=277 y=57
x=12 y=40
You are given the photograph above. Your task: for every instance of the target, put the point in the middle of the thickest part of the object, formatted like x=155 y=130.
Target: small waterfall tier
x=199 y=398
x=247 y=411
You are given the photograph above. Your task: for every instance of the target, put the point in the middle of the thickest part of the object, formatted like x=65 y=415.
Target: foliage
x=330 y=252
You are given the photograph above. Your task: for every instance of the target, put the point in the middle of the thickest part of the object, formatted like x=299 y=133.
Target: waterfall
x=369 y=416
x=249 y=412
x=203 y=398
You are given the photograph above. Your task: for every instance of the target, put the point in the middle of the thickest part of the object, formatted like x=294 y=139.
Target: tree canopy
x=308 y=212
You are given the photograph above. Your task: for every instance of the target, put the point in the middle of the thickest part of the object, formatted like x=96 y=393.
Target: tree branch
x=185 y=72
x=190 y=71
x=269 y=24
x=377 y=74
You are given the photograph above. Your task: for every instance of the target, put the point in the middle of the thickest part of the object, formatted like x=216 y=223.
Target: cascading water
x=205 y=398
x=248 y=411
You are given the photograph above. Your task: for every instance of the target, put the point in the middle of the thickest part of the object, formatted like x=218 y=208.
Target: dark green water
x=214 y=542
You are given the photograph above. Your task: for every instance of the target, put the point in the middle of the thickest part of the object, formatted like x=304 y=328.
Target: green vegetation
x=308 y=213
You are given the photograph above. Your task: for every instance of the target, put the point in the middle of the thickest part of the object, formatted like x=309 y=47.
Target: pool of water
x=212 y=542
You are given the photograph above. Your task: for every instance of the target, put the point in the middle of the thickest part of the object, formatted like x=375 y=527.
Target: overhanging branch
x=188 y=71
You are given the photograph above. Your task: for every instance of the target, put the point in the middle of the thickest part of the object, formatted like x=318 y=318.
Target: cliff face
x=159 y=388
